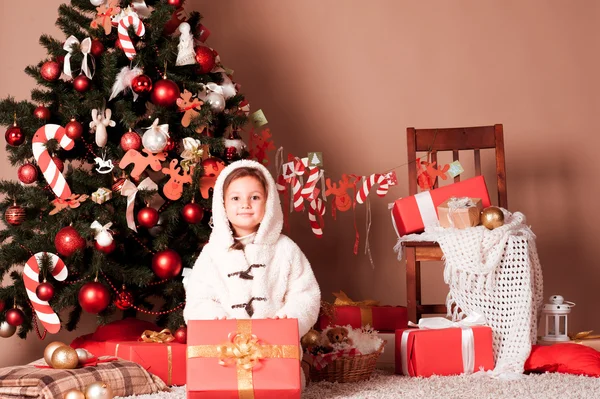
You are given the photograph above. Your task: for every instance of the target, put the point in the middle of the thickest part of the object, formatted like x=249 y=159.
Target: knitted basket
x=347 y=368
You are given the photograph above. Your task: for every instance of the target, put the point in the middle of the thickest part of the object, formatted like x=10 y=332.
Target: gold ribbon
x=243 y=350
x=161 y=337
x=366 y=311
x=582 y=336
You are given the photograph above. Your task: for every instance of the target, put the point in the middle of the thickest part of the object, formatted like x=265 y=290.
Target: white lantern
x=556 y=319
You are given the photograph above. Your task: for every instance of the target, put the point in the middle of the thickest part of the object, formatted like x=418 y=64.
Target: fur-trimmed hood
x=270 y=228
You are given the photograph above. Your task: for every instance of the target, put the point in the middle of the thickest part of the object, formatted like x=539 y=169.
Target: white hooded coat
x=285 y=285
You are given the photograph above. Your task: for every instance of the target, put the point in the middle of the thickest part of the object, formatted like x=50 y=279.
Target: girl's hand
x=220 y=318
x=280 y=317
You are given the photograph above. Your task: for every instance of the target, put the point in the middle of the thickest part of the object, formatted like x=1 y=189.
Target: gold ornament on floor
x=83 y=355
x=74 y=394
x=50 y=348
x=64 y=357
x=98 y=390
x=492 y=217
x=311 y=338
x=6 y=330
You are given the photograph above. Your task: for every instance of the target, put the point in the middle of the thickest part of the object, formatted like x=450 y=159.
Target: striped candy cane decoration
x=297 y=194
x=311 y=182
x=316 y=209
x=42 y=156
x=124 y=39
x=31 y=274
x=382 y=190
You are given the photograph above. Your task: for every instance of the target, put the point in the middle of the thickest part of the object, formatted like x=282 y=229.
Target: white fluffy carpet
x=385 y=385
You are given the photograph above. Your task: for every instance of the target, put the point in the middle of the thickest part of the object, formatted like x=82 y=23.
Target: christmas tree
x=104 y=220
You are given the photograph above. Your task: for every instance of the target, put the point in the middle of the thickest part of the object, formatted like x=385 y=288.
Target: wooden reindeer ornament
x=343 y=202
x=262 y=145
x=105 y=14
x=188 y=106
x=212 y=169
x=173 y=189
x=141 y=162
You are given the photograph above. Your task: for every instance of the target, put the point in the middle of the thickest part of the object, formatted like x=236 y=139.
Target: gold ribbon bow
x=582 y=336
x=161 y=337
x=366 y=311
x=244 y=351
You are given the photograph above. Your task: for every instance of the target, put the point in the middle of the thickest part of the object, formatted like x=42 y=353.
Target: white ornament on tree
x=100 y=121
x=155 y=139
x=186 y=54
x=212 y=93
x=103 y=235
x=97 y=3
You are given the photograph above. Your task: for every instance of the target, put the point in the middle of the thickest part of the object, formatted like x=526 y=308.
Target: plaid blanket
x=124 y=377
x=321 y=361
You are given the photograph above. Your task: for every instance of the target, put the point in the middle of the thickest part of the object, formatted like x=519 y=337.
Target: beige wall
x=347 y=78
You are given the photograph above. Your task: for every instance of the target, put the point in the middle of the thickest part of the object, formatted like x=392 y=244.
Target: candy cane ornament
x=311 y=182
x=124 y=39
x=31 y=275
x=316 y=209
x=382 y=189
x=53 y=176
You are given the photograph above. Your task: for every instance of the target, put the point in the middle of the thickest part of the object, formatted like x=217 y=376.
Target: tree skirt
x=386 y=385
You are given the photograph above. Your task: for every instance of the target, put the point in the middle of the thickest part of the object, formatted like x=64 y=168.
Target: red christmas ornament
x=170 y=145
x=61 y=59
x=42 y=113
x=192 y=213
x=181 y=335
x=15 y=215
x=177 y=18
x=50 y=70
x=68 y=240
x=147 y=217
x=124 y=299
x=131 y=141
x=15 y=317
x=14 y=136
x=94 y=297
x=107 y=249
x=27 y=173
x=118 y=185
x=141 y=84
x=166 y=264
x=59 y=164
x=2 y=305
x=165 y=93
x=74 y=130
x=45 y=291
x=82 y=83
x=97 y=48
x=175 y=3
x=205 y=58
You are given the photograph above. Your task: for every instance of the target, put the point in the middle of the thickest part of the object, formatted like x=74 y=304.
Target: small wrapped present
x=460 y=213
x=412 y=214
x=101 y=195
x=443 y=351
x=243 y=359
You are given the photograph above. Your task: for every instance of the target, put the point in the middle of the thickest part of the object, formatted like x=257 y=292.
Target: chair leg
x=411 y=283
x=418 y=290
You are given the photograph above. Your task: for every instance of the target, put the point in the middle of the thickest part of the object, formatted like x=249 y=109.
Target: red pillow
x=564 y=358
x=129 y=329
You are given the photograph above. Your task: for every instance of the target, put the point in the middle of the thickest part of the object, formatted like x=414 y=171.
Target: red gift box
x=165 y=360
x=381 y=318
x=447 y=351
x=239 y=359
x=412 y=214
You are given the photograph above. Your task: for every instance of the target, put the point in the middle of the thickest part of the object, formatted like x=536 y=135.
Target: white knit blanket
x=496 y=273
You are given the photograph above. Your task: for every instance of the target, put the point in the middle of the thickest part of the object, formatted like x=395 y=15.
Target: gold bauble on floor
x=311 y=338
x=98 y=390
x=64 y=357
x=50 y=348
x=492 y=217
x=74 y=394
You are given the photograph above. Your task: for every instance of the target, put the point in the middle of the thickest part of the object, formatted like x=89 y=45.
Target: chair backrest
x=455 y=140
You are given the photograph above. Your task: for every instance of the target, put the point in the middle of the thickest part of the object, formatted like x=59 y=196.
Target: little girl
x=248 y=269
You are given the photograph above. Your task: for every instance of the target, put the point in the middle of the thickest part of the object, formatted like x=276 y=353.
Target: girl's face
x=245 y=200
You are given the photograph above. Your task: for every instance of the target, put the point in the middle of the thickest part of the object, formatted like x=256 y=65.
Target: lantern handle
x=571 y=304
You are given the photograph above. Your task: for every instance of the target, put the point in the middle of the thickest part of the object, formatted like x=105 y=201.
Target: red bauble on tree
x=147 y=217
x=192 y=213
x=166 y=264
x=141 y=84
x=74 y=130
x=131 y=141
x=45 y=291
x=15 y=215
x=27 y=173
x=175 y=3
x=124 y=299
x=15 y=317
x=97 y=48
x=165 y=93
x=68 y=240
x=205 y=58
x=94 y=297
x=14 y=136
x=42 y=113
x=50 y=71
x=181 y=335
x=170 y=144
x=2 y=305
x=107 y=249
x=82 y=83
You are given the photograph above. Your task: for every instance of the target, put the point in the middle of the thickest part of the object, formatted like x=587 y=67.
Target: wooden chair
x=446 y=139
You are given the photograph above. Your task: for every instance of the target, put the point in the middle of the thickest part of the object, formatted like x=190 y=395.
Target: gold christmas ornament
x=492 y=217
x=98 y=390
x=74 y=394
x=83 y=355
x=311 y=338
x=6 y=330
x=64 y=357
x=50 y=348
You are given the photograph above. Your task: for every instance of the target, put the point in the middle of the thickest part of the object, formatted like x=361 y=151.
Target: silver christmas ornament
x=155 y=138
x=6 y=330
x=97 y=3
x=216 y=101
